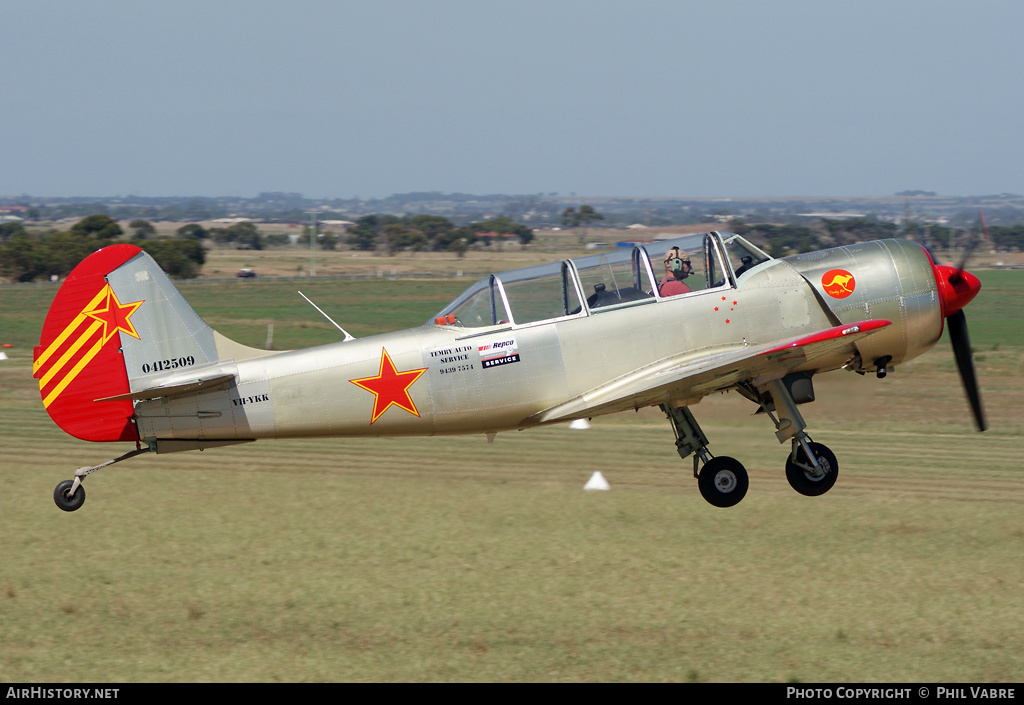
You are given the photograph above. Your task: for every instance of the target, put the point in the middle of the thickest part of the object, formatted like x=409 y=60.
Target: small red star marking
x=115 y=316
x=390 y=387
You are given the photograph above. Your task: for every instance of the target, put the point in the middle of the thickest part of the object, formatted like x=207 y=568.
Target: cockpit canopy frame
x=592 y=284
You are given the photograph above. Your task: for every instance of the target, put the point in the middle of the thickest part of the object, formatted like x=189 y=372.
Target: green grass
x=994 y=317
x=242 y=310
x=451 y=559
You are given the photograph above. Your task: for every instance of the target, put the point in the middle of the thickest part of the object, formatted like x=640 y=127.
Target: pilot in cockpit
x=677 y=268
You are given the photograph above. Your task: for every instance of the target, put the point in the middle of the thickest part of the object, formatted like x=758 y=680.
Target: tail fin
x=115 y=321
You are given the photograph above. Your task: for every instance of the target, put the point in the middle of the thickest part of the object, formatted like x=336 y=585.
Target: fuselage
x=445 y=377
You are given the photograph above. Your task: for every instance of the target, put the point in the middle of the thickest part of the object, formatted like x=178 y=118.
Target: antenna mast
x=312 y=244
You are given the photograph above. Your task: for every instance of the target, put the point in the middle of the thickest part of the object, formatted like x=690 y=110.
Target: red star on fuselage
x=390 y=387
x=114 y=316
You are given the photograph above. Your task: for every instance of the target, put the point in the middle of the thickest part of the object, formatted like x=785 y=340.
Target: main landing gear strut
x=722 y=480
x=811 y=468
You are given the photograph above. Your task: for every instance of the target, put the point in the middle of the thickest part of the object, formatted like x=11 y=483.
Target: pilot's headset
x=674 y=259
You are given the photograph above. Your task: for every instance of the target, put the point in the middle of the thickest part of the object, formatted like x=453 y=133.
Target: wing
x=698 y=374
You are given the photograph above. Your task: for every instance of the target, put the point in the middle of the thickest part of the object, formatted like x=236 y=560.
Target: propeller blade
x=965 y=364
x=971 y=244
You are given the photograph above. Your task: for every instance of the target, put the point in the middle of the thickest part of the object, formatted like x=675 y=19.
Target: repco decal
x=838 y=283
x=499 y=352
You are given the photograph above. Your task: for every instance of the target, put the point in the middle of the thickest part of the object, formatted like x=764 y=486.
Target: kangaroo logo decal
x=838 y=283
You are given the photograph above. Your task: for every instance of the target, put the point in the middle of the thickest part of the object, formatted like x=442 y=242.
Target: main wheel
x=723 y=481
x=65 y=502
x=804 y=481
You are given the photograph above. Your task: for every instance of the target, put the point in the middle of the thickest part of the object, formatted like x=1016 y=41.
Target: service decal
x=451 y=359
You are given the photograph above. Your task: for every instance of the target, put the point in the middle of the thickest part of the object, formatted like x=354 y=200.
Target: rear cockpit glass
x=520 y=296
x=615 y=278
x=540 y=293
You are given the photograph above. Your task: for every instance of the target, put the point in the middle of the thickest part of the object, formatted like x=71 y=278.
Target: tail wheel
x=800 y=471
x=66 y=502
x=723 y=481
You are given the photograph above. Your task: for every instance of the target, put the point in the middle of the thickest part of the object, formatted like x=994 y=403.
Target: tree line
x=432 y=233
x=788 y=239
x=25 y=257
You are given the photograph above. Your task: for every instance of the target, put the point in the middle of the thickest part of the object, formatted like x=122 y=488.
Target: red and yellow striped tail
x=79 y=360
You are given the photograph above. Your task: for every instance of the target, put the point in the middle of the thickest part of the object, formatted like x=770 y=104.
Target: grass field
x=451 y=559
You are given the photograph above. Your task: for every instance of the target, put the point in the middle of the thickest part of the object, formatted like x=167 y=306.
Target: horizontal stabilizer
x=175 y=390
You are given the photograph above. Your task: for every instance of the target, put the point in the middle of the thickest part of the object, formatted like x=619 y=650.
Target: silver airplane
x=124 y=358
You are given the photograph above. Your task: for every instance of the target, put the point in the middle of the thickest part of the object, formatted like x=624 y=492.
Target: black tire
x=723 y=481
x=68 y=504
x=804 y=482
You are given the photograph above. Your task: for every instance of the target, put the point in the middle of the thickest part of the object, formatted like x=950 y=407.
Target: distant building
x=12 y=214
x=833 y=216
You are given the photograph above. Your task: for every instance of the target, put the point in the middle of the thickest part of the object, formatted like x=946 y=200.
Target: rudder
x=78 y=357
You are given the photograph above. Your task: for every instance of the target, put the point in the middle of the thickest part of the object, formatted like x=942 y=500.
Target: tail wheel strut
x=69 y=495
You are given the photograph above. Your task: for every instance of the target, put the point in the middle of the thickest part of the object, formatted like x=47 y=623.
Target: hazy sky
x=343 y=98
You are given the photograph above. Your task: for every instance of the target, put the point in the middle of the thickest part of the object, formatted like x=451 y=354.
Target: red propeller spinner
x=957 y=288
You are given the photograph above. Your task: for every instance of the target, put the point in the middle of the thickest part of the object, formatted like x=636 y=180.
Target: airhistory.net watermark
x=41 y=693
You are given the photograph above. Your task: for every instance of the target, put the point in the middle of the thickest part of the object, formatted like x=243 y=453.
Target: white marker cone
x=597 y=482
